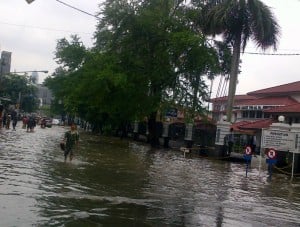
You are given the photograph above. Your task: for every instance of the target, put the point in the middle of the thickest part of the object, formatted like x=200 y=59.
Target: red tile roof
x=270 y=101
x=294 y=108
x=285 y=88
x=236 y=98
x=250 y=125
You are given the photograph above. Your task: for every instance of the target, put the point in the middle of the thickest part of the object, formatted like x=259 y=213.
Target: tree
x=238 y=21
x=147 y=54
x=19 y=90
x=157 y=49
x=70 y=54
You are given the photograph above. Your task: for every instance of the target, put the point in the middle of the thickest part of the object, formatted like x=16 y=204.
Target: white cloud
x=30 y=32
x=263 y=71
x=32 y=47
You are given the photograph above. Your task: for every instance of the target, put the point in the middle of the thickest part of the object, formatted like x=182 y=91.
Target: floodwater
x=113 y=182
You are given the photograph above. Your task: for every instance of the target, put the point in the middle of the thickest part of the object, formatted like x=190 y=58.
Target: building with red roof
x=258 y=109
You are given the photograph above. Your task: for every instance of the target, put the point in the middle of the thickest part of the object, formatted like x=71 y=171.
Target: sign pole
x=270 y=167
x=247 y=157
x=260 y=159
x=247 y=165
x=270 y=161
x=293 y=166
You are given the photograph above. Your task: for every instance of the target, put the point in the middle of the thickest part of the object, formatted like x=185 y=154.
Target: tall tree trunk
x=153 y=132
x=233 y=77
x=195 y=95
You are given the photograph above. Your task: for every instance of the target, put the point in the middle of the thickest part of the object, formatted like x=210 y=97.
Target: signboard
x=297 y=143
x=279 y=140
x=172 y=112
x=248 y=150
x=189 y=132
x=165 y=130
x=271 y=153
x=220 y=134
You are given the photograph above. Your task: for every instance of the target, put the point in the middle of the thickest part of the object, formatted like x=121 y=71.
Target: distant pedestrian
x=4 y=119
x=71 y=139
x=8 y=119
x=43 y=123
x=24 y=121
x=14 y=118
x=31 y=124
x=253 y=144
x=1 y=113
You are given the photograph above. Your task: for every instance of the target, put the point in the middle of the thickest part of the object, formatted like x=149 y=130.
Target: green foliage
x=45 y=111
x=12 y=85
x=18 y=89
x=245 y=19
x=238 y=21
x=148 y=55
x=70 y=54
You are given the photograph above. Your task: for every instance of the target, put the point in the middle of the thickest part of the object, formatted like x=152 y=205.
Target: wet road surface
x=113 y=182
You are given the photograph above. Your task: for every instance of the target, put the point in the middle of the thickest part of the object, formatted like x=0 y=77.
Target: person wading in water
x=71 y=139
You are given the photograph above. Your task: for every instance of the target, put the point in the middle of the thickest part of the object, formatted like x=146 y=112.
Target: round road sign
x=248 y=150
x=271 y=153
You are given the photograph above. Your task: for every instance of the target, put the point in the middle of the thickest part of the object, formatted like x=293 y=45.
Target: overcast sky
x=30 y=32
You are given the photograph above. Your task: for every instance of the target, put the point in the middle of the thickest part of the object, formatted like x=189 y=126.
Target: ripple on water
x=116 y=182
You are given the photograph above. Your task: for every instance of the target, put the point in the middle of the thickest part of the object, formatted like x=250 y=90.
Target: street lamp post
x=32 y=71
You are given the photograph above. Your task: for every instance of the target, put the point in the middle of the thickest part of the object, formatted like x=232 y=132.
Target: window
x=245 y=114
x=267 y=115
x=252 y=114
x=259 y=114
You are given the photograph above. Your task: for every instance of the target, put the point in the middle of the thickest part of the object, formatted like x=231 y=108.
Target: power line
x=80 y=10
x=278 y=54
x=73 y=7
x=60 y=30
x=43 y=28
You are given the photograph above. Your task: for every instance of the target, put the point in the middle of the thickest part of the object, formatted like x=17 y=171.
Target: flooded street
x=113 y=182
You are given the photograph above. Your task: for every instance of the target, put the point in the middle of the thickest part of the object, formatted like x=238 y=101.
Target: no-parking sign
x=271 y=153
x=248 y=150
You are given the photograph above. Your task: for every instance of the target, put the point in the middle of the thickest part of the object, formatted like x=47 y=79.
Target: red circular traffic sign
x=248 y=150
x=271 y=153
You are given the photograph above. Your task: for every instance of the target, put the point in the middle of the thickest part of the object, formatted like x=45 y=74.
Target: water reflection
x=113 y=182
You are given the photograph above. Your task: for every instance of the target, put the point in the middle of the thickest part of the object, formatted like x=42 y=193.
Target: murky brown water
x=117 y=183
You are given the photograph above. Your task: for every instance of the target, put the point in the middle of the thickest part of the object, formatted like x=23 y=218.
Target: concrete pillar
x=223 y=129
x=166 y=134
x=189 y=131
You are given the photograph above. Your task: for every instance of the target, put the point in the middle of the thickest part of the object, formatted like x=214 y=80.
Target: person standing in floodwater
x=8 y=119
x=31 y=124
x=71 y=139
x=253 y=144
x=14 y=118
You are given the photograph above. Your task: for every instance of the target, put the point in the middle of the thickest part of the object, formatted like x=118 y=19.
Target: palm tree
x=238 y=21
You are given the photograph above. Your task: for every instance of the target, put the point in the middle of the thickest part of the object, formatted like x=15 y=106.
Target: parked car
x=55 y=121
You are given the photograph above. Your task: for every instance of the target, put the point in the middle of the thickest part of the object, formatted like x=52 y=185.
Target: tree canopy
x=148 y=56
x=20 y=91
x=239 y=21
